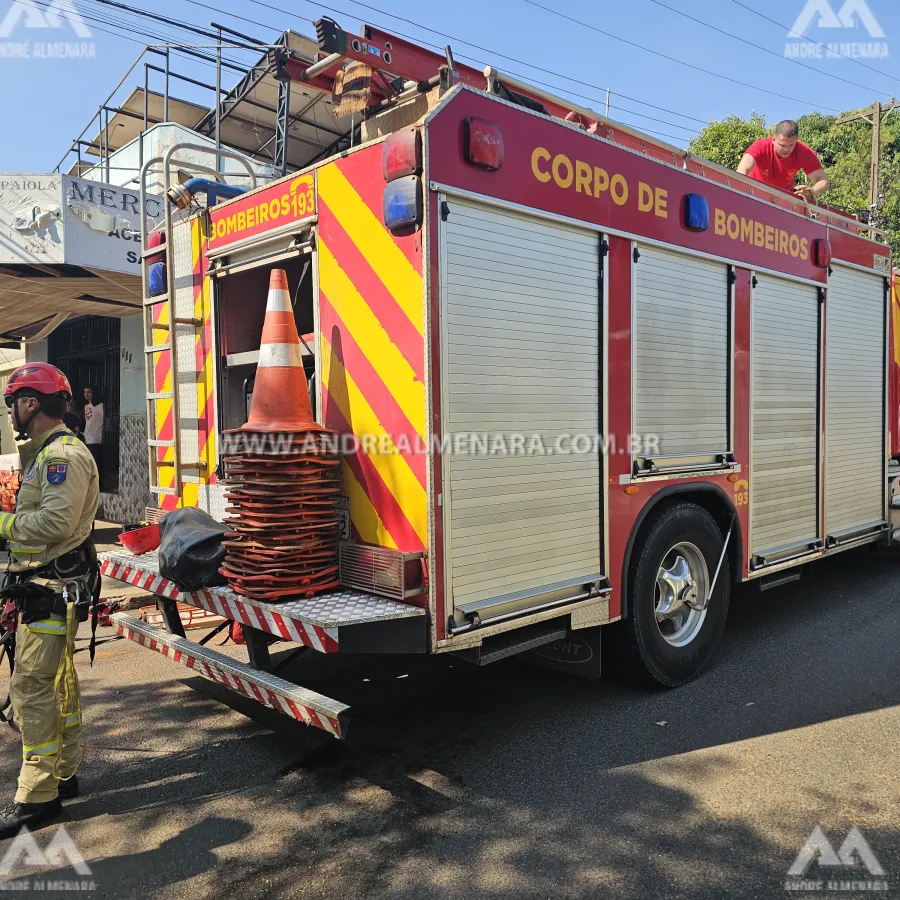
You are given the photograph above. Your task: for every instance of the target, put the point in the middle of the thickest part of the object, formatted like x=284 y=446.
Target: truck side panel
x=371 y=302
x=561 y=170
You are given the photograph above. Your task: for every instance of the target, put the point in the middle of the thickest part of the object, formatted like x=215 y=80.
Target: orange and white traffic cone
x=280 y=391
x=282 y=499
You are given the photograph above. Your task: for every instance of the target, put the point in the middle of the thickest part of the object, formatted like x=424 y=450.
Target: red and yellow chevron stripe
x=162 y=366
x=371 y=313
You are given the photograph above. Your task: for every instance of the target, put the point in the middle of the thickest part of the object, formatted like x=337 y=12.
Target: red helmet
x=40 y=377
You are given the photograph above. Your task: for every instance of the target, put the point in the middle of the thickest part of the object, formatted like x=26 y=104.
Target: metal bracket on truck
x=344 y=621
x=300 y=703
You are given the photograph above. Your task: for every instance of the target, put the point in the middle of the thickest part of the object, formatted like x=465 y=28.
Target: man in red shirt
x=776 y=160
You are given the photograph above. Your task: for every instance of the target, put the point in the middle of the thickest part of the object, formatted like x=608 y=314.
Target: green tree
x=845 y=152
x=724 y=141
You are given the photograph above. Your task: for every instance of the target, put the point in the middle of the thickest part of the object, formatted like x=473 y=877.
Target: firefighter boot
x=68 y=789
x=15 y=815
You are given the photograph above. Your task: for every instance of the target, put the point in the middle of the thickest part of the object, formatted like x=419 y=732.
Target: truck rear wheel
x=674 y=625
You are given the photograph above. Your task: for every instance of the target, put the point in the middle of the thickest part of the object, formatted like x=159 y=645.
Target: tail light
x=401 y=154
x=821 y=253
x=156 y=238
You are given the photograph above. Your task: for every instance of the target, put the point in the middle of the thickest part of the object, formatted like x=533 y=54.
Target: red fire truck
x=590 y=382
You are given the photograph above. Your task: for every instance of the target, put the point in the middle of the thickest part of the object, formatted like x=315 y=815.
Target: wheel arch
x=706 y=495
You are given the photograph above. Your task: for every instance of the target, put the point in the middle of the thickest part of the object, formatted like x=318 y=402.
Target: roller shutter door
x=520 y=355
x=682 y=352
x=854 y=398
x=784 y=416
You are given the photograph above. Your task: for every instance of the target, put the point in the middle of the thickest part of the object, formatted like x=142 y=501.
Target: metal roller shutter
x=784 y=415
x=520 y=355
x=681 y=359
x=854 y=398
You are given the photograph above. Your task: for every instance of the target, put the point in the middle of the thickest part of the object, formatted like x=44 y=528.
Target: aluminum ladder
x=151 y=328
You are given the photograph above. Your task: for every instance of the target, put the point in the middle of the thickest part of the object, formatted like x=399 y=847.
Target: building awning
x=68 y=247
x=32 y=296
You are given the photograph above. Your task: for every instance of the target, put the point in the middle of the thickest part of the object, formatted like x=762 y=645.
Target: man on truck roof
x=777 y=159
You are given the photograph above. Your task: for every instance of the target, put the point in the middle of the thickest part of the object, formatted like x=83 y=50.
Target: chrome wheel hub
x=682 y=594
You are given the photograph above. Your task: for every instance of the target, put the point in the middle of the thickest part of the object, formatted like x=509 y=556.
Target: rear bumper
x=297 y=702
x=344 y=621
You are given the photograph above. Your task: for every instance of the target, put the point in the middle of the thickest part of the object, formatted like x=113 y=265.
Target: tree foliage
x=845 y=152
x=725 y=141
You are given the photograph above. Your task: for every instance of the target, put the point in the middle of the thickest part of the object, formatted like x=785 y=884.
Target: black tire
x=645 y=652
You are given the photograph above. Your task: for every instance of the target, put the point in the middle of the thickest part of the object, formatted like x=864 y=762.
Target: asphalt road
x=508 y=781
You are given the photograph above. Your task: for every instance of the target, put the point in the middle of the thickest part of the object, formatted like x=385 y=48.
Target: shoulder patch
x=29 y=476
x=56 y=473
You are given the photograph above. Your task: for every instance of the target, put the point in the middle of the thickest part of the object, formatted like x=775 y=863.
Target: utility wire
x=680 y=62
x=799 y=34
x=502 y=56
x=185 y=26
x=774 y=53
x=174 y=23
x=459 y=55
x=634 y=112
x=125 y=25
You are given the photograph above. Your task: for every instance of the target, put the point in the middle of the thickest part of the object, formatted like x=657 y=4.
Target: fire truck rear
x=584 y=382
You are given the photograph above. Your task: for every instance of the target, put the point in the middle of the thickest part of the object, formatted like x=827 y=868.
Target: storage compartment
x=520 y=358
x=784 y=435
x=682 y=371
x=855 y=321
x=241 y=308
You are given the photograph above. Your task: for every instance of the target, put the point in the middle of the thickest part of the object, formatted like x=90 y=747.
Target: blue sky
x=44 y=104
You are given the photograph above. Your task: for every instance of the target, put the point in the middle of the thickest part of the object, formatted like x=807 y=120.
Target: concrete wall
x=134 y=483
x=36 y=352
x=132 y=392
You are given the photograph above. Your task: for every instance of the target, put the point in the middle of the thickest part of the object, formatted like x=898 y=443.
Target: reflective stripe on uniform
x=72 y=720
x=47 y=626
x=6 y=524
x=67 y=440
x=40 y=749
x=27 y=548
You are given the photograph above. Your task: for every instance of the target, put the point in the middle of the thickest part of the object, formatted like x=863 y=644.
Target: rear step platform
x=299 y=703
x=343 y=621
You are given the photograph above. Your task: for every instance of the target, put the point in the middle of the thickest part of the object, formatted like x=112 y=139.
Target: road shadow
x=511 y=780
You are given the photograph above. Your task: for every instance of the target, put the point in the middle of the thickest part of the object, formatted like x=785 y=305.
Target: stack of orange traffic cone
x=281 y=475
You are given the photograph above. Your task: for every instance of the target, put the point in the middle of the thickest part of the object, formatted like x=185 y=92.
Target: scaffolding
x=261 y=116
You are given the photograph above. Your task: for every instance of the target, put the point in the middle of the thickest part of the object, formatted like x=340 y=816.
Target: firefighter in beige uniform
x=52 y=574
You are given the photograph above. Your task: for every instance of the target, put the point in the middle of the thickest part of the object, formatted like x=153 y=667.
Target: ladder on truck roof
x=156 y=446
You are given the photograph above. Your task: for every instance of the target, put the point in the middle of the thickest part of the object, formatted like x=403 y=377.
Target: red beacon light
x=482 y=143
x=401 y=154
x=821 y=254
